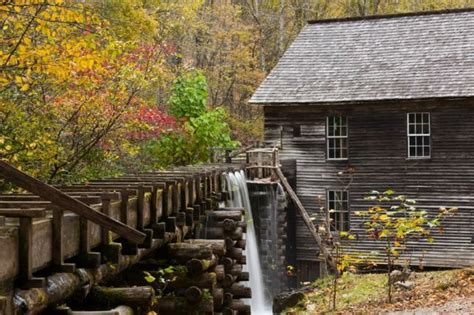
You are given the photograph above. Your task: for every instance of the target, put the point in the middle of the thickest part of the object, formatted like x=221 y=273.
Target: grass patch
x=367 y=293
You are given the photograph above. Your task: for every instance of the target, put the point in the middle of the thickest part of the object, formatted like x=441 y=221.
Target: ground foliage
x=364 y=293
x=85 y=85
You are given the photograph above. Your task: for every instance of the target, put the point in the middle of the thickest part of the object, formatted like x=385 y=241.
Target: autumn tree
x=199 y=126
x=394 y=220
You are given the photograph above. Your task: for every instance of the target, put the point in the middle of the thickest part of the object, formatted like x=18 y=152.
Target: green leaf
x=148 y=277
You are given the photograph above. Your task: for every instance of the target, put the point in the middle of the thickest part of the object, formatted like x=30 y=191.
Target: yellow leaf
x=25 y=87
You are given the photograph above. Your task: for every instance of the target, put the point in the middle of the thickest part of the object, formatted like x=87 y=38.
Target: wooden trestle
x=59 y=243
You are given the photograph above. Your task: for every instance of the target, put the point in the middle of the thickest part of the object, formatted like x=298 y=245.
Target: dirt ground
x=456 y=306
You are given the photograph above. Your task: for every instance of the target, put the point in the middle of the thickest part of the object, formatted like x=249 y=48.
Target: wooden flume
x=148 y=216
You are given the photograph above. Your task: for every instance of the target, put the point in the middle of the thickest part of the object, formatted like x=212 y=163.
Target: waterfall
x=237 y=186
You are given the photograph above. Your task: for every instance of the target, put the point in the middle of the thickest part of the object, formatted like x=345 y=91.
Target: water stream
x=240 y=198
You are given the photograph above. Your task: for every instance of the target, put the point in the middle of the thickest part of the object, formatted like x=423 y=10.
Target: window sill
x=418 y=158
x=337 y=160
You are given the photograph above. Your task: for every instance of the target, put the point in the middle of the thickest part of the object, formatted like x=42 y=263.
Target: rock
x=399 y=275
x=285 y=300
x=407 y=285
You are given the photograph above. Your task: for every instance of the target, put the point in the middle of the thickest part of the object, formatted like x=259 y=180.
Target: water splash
x=240 y=198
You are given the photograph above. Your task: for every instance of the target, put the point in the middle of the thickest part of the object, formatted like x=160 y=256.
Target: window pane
x=413 y=151
x=419 y=151
x=330 y=127
x=344 y=131
x=426 y=128
x=411 y=128
x=418 y=118
x=427 y=140
x=426 y=151
x=426 y=118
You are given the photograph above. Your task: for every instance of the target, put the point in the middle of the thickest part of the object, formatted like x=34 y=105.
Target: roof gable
x=396 y=57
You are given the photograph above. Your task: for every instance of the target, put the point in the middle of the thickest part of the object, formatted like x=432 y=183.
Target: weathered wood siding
x=378 y=152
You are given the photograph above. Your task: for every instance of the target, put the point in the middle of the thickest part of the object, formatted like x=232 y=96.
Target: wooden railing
x=163 y=206
x=62 y=200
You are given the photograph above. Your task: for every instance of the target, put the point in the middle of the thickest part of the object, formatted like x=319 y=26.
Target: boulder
x=285 y=300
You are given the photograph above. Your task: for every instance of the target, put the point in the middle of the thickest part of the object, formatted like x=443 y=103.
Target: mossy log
x=228 y=263
x=229 y=243
x=182 y=252
x=218 y=297
x=229 y=225
x=141 y=297
x=219 y=271
x=193 y=294
x=219 y=233
x=228 y=297
x=240 y=306
x=244 y=276
x=241 y=243
x=235 y=253
x=228 y=280
x=240 y=291
x=219 y=247
x=172 y=305
x=120 y=310
x=204 y=281
x=198 y=266
x=61 y=286
x=235 y=269
x=221 y=215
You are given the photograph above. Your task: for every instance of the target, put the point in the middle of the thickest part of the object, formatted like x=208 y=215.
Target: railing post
x=58 y=245
x=141 y=217
x=87 y=259
x=110 y=251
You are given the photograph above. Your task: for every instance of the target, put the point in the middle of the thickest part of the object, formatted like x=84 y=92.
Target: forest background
x=96 y=88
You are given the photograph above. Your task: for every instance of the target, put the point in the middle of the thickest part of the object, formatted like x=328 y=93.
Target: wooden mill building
x=373 y=103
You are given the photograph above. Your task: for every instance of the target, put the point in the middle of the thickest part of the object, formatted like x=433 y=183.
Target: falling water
x=240 y=198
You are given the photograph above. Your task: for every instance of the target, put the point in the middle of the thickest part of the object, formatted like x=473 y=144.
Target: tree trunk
x=281 y=28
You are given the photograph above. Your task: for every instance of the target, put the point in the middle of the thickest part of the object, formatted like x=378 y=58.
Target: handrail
x=62 y=200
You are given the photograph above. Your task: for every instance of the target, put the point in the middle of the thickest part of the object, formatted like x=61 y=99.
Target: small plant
x=395 y=220
x=160 y=279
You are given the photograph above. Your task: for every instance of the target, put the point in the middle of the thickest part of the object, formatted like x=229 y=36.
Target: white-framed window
x=338 y=205
x=419 y=135
x=336 y=138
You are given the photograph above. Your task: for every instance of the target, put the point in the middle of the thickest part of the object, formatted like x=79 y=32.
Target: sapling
x=394 y=220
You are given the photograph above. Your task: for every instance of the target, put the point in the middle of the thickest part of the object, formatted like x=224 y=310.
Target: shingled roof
x=397 y=57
